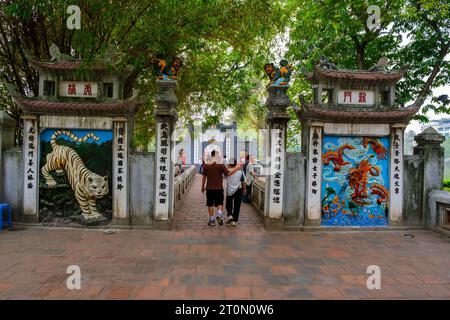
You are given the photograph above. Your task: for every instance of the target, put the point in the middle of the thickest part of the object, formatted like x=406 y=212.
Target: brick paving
x=193 y=214
x=195 y=261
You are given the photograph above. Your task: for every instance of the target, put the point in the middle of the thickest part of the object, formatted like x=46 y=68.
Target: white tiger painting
x=86 y=185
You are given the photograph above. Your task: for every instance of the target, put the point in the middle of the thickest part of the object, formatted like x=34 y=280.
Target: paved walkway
x=192 y=213
x=195 y=261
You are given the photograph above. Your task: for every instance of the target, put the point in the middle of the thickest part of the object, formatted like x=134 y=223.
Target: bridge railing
x=258 y=194
x=182 y=182
x=438 y=216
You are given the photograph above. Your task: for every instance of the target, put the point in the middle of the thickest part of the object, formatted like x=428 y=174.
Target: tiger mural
x=86 y=185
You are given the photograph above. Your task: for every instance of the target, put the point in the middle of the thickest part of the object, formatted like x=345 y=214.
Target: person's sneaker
x=230 y=219
x=219 y=220
x=211 y=222
x=233 y=223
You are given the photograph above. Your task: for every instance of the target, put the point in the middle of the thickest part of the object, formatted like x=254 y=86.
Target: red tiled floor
x=149 y=293
x=192 y=214
x=122 y=292
x=195 y=261
x=238 y=293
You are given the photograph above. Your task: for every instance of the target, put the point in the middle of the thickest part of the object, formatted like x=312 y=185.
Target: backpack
x=245 y=167
x=243 y=179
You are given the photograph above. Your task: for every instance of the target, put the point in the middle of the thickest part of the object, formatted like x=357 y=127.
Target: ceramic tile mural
x=355 y=181
x=75 y=174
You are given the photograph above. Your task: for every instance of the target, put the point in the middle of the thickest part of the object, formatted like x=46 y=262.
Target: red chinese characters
x=347 y=94
x=362 y=97
x=87 y=90
x=72 y=89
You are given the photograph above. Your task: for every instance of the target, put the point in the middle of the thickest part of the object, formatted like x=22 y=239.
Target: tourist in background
x=182 y=157
x=250 y=174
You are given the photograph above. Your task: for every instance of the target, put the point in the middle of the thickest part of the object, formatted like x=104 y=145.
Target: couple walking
x=236 y=187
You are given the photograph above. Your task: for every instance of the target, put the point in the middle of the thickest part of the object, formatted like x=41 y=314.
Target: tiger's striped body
x=86 y=185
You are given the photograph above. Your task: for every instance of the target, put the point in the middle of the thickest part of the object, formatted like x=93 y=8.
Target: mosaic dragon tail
x=71 y=136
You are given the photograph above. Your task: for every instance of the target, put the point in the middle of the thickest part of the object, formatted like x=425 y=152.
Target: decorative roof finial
x=381 y=65
x=56 y=54
x=164 y=71
x=326 y=64
x=279 y=76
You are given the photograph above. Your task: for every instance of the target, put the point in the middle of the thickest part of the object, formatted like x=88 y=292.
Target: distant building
x=441 y=125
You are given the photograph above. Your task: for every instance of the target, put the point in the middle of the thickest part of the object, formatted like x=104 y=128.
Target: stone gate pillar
x=396 y=174
x=429 y=147
x=120 y=170
x=313 y=135
x=30 y=169
x=166 y=117
x=277 y=120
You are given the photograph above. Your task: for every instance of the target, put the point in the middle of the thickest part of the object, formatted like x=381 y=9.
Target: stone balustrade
x=182 y=183
x=258 y=195
x=439 y=209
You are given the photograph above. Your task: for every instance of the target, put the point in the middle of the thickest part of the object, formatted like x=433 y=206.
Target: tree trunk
x=361 y=59
x=437 y=67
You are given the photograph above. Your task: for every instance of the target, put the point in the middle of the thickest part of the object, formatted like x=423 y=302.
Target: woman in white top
x=235 y=189
x=250 y=174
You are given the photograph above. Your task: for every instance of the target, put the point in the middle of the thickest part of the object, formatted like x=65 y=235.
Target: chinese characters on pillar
x=120 y=170
x=314 y=173
x=315 y=160
x=163 y=169
x=277 y=174
x=29 y=163
x=356 y=97
x=396 y=160
x=120 y=158
x=30 y=170
x=396 y=180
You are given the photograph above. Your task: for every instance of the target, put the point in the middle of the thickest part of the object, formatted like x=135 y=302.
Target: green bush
x=446 y=184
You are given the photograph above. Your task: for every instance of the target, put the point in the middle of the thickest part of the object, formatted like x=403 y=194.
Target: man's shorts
x=214 y=198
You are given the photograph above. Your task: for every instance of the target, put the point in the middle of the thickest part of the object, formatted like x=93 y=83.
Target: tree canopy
x=224 y=45
x=413 y=32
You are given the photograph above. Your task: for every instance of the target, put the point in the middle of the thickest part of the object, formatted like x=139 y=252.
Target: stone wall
x=294 y=189
x=11 y=181
x=294 y=198
x=413 y=199
x=142 y=188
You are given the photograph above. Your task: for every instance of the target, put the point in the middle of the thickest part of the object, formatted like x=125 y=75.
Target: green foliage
x=446 y=184
x=224 y=44
x=446 y=146
x=344 y=37
x=293 y=133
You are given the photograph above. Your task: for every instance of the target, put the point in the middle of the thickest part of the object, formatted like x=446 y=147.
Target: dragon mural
x=336 y=157
x=377 y=147
x=358 y=178
x=355 y=181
